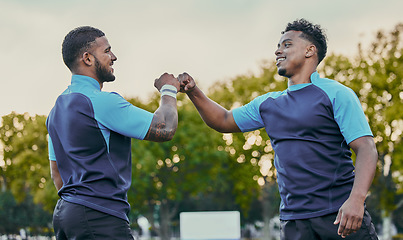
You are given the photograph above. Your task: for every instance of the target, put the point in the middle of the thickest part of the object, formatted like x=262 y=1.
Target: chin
x=281 y=72
x=111 y=79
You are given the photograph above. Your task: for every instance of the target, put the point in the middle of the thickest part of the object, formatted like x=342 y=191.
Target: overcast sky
x=213 y=40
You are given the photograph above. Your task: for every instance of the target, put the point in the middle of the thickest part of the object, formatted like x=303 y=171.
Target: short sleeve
x=248 y=116
x=52 y=155
x=117 y=114
x=349 y=115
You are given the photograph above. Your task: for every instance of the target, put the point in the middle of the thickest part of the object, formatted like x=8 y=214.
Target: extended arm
x=351 y=212
x=214 y=115
x=165 y=120
x=55 y=175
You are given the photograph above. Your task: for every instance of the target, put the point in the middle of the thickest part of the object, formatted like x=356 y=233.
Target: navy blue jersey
x=310 y=126
x=90 y=135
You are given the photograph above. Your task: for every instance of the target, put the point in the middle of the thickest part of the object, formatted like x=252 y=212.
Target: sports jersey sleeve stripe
x=248 y=116
x=52 y=155
x=118 y=115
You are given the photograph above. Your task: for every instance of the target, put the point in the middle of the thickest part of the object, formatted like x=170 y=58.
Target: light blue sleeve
x=248 y=116
x=118 y=115
x=347 y=110
x=350 y=116
x=52 y=155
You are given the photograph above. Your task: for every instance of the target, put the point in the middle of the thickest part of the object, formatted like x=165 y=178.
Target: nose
x=114 y=58
x=278 y=51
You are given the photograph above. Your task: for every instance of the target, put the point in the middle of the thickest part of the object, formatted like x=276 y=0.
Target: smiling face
x=292 y=52
x=104 y=59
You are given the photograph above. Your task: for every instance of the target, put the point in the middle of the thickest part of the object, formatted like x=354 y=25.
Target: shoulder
x=247 y=117
x=333 y=88
x=260 y=99
x=108 y=99
x=107 y=103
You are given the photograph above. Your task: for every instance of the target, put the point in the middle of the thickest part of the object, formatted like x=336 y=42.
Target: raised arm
x=351 y=212
x=165 y=121
x=213 y=114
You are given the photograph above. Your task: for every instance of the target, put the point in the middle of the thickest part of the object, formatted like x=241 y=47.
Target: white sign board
x=210 y=225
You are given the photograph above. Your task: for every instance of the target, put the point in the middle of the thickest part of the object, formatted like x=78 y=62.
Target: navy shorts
x=323 y=228
x=74 y=221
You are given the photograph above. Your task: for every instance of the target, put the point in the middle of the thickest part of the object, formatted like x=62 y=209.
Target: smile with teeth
x=280 y=59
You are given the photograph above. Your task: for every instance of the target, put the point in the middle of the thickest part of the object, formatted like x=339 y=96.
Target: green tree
x=7 y=209
x=253 y=149
x=196 y=164
x=24 y=167
x=376 y=76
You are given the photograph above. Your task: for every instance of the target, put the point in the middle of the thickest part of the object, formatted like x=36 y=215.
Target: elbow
x=164 y=135
x=166 y=139
x=219 y=128
x=168 y=136
x=222 y=123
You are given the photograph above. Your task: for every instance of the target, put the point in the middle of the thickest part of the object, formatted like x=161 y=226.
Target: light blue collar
x=314 y=77
x=85 y=80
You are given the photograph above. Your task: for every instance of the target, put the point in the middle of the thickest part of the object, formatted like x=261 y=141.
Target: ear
x=87 y=58
x=310 y=51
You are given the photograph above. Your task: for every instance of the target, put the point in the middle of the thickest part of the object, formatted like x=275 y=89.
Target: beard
x=281 y=72
x=103 y=74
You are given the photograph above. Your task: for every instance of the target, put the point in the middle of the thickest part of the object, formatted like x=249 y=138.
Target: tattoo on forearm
x=158 y=132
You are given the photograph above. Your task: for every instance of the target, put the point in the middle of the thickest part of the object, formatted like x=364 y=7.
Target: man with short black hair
x=90 y=135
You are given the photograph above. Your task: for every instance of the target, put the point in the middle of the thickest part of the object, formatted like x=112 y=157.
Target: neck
x=301 y=77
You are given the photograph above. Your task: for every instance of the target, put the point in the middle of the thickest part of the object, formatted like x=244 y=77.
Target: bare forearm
x=55 y=175
x=214 y=115
x=365 y=168
x=58 y=182
x=350 y=215
x=165 y=121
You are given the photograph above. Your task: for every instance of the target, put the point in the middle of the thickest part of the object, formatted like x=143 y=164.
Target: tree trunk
x=266 y=228
x=3 y=183
x=386 y=226
x=165 y=221
x=270 y=204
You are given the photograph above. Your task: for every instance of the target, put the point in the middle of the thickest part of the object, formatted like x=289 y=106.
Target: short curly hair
x=311 y=32
x=76 y=42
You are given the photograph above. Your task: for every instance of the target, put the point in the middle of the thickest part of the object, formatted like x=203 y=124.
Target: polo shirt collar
x=85 y=80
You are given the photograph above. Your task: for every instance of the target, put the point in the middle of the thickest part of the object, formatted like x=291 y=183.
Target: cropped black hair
x=311 y=32
x=77 y=41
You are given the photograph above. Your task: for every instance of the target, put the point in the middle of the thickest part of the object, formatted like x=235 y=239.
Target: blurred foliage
x=194 y=167
x=25 y=214
x=25 y=164
x=253 y=149
x=201 y=169
x=376 y=75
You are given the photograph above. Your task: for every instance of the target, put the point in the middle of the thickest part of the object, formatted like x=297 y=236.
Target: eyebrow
x=285 y=40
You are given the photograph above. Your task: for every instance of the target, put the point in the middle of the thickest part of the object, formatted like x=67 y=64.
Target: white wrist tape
x=168 y=90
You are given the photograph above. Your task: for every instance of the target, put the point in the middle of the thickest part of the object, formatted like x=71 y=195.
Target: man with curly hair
x=312 y=125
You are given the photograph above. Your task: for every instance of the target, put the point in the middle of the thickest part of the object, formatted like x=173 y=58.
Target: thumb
x=338 y=218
